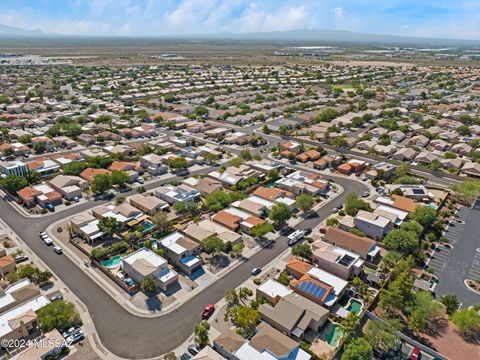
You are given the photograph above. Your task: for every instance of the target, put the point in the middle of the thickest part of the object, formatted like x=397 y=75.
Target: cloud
x=339 y=11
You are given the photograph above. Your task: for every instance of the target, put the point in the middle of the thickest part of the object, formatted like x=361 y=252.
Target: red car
x=208 y=311
x=415 y=354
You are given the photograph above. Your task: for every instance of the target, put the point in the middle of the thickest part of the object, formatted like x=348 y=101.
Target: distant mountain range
x=6 y=30
x=296 y=36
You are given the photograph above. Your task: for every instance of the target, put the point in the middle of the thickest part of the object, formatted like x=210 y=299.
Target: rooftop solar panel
x=312 y=289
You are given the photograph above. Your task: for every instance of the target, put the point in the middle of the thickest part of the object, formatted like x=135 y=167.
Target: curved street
x=121 y=332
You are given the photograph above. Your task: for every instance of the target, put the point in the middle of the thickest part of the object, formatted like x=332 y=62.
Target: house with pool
x=182 y=252
x=145 y=262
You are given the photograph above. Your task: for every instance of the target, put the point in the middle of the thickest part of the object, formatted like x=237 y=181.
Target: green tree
x=13 y=183
x=148 y=285
x=350 y=322
x=219 y=199
x=201 y=111
x=303 y=250
x=247 y=320
x=353 y=204
x=304 y=202
x=119 y=178
x=185 y=207
x=211 y=158
x=382 y=336
x=101 y=183
x=213 y=244
x=231 y=296
x=58 y=315
x=451 y=303
x=467 y=321
x=273 y=174
x=109 y=225
x=160 y=220
x=245 y=154
x=425 y=310
x=284 y=278
x=237 y=248
x=357 y=349
x=412 y=226
x=332 y=222
x=327 y=115
x=401 y=240
x=178 y=163
x=397 y=294
x=74 y=168
x=402 y=170
x=389 y=261
x=39 y=147
x=201 y=333
x=424 y=215
x=260 y=230
x=468 y=190
x=280 y=214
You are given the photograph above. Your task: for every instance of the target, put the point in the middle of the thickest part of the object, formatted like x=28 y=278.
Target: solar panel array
x=312 y=288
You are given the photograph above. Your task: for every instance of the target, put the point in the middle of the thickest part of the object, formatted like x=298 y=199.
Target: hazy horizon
x=160 y=18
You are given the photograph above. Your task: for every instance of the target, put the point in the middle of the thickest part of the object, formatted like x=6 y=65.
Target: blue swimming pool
x=113 y=262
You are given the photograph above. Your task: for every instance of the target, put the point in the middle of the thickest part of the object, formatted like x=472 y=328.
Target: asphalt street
x=121 y=332
x=461 y=261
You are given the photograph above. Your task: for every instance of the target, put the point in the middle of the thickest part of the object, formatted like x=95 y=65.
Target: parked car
x=334 y=210
x=21 y=258
x=56 y=297
x=365 y=194
x=75 y=337
x=208 y=311
x=71 y=330
x=48 y=241
x=43 y=235
x=49 y=207
x=340 y=207
x=140 y=180
x=415 y=354
x=58 y=250
x=185 y=356
x=76 y=199
x=256 y=271
x=307 y=231
x=323 y=230
x=193 y=349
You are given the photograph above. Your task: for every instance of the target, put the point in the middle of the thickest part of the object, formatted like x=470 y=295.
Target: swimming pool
x=333 y=333
x=355 y=306
x=112 y=263
x=146 y=227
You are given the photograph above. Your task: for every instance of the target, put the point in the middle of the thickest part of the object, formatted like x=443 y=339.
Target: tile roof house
x=405 y=154
x=227 y=219
x=335 y=260
x=471 y=169
x=89 y=173
x=182 y=252
x=206 y=228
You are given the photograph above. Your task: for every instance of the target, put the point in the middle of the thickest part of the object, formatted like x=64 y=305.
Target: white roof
x=147 y=255
x=117 y=216
x=329 y=279
x=237 y=212
x=17 y=285
x=400 y=213
x=248 y=352
x=91 y=228
x=166 y=274
x=34 y=304
x=5 y=300
x=273 y=288
x=170 y=242
x=43 y=188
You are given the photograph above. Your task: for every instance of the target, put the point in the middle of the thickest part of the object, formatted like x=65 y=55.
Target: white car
x=43 y=235
x=58 y=250
x=48 y=241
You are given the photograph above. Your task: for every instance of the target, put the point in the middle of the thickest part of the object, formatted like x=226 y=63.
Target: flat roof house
x=272 y=291
x=173 y=194
x=144 y=262
x=206 y=228
x=153 y=164
x=333 y=259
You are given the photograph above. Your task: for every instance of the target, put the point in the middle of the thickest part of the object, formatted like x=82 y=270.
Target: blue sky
x=435 y=18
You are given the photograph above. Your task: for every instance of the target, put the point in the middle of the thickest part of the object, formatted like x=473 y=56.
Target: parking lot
x=460 y=260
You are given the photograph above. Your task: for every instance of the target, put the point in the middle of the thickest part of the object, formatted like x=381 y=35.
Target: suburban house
x=40 y=194
x=404 y=154
x=205 y=185
x=69 y=186
x=85 y=225
x=372 y=224
x=233 y=175
x=7 y=265
x=272 y=291
x=363 y=246
x=153 y=164
x=173 y=194
x=335 y=260
x=144 y=262
x=205 y=228
x=148 y=204
x=267 y=344
x=89 y=173
x=294 y=315
x=398 y=202
x=315 y=284
x=302 y=182
x=125 y=214
x=275 y=195
x=182 y=252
